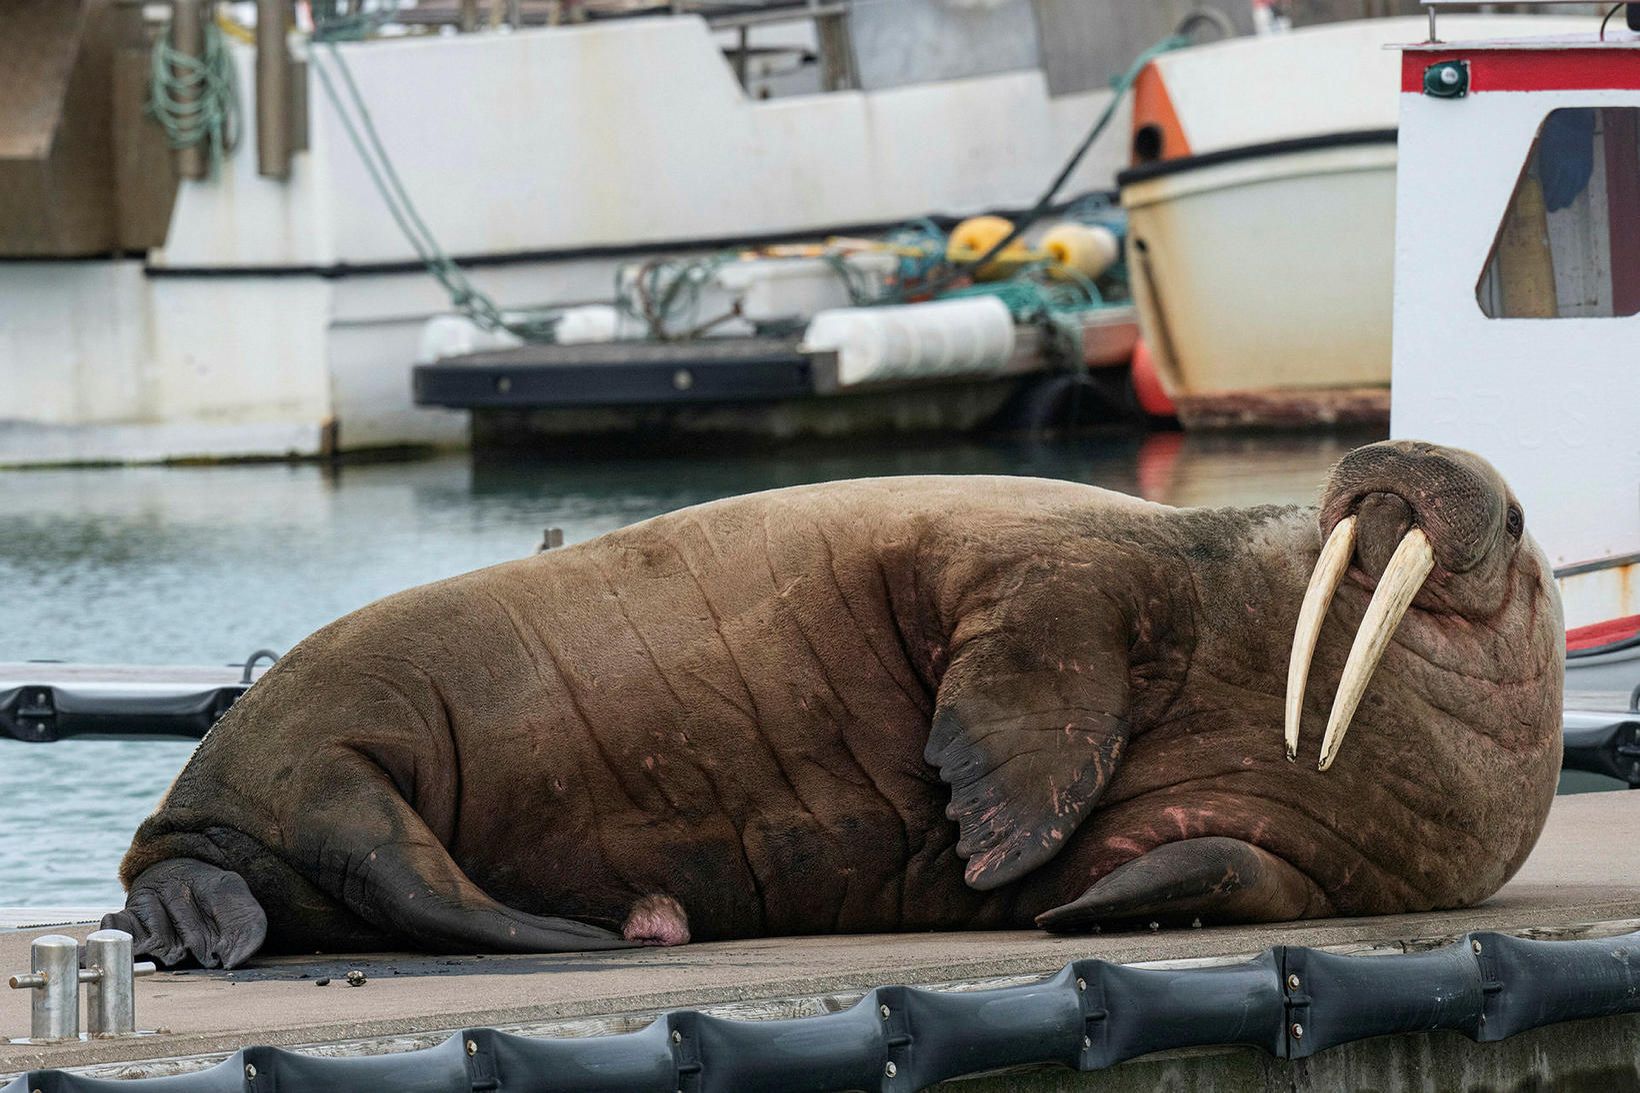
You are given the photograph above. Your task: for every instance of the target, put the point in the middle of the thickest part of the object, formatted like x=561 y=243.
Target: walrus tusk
x=1403 y=577
x=1329 y=570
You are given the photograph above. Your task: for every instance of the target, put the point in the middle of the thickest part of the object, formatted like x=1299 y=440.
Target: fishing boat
x=1261 y=198
x=1517 y=299
x=266 y=295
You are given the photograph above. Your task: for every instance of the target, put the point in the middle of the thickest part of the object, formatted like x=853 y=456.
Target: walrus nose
x=1382 y=520
x=1404 y=574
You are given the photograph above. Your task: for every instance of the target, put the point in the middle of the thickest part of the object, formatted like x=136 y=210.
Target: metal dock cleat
x=55 y=976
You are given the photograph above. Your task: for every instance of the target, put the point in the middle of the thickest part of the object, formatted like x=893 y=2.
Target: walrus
x=893 y=704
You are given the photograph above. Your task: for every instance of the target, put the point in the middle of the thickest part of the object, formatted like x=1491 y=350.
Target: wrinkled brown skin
x=748 y=706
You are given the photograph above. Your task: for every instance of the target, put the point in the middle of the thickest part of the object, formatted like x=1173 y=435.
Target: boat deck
x=1582 y=880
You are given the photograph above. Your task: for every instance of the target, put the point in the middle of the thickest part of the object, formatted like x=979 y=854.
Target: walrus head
x=1425 y=565
x=1415 y=524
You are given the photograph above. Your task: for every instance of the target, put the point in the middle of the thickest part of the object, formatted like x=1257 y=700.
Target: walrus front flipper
x=184 y=907
x=1028 y=727
x=1215 y=880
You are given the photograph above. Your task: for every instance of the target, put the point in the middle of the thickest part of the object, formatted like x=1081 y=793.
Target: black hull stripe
x=570 y=254
x=1183 y=164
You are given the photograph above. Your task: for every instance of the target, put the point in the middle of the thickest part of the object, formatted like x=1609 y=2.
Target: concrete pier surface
x=1583 y=879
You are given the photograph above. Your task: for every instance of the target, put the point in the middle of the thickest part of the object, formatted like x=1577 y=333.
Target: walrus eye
x=1400 y=582
x=1514 y=522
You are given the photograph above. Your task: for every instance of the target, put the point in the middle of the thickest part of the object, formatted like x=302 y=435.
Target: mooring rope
x=465 y=296
x=349 y=20
x=666 y=291
x=195 y=100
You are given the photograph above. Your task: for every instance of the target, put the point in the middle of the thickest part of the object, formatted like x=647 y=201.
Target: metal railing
x=1433 y=7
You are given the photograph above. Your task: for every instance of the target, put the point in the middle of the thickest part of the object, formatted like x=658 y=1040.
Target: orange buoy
x=1147 y=385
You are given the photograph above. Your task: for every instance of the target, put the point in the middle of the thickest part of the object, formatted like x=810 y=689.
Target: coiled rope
x=195 y=100
x=667 y=294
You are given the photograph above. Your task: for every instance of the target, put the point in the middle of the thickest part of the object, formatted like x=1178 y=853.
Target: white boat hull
x=1268 y=275
x=281 y=317
x=1271 y=223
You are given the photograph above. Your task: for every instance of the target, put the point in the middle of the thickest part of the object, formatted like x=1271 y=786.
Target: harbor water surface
x=204 y=565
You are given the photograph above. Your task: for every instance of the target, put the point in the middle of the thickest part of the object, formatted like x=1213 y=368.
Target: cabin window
x=1569 y=244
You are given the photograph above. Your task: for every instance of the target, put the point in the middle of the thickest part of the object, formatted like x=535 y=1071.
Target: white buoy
x=1089 y=249
x=972 y=335
x=456 y=336
x=596 y=323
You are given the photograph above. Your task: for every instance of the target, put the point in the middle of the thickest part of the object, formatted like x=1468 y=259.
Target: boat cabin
x=1517 y=290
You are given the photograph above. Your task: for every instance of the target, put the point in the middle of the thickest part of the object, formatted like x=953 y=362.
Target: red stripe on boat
x=1591 y=69
x=1602 y=633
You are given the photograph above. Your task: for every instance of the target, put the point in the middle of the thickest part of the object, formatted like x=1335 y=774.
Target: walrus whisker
x=1403 y=577
x=1329 y=570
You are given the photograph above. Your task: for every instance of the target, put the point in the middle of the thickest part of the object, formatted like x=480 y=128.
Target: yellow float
x=974 y=237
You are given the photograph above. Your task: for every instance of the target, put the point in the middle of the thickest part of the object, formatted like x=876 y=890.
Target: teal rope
x=1120 y=87
x=464 y=296
x=348 y=20
x=195 y=100
x=922 y=245
x=1035 y=296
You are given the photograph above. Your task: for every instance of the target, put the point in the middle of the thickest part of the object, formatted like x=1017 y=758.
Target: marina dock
x=1581 y=881
x=758 y=387
x=965 y=439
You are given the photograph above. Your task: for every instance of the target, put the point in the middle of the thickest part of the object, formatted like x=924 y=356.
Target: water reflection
x=203 y=565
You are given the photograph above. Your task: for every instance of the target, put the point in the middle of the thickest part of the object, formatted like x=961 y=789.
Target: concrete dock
x=1582 y=880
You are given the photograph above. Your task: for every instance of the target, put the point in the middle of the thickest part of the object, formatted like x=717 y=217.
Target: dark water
x=204 y=565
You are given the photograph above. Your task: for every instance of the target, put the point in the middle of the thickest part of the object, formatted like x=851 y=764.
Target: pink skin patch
x=657 y=920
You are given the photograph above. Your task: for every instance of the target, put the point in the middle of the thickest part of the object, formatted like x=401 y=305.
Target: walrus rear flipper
x=184 y=906
x=1214 y=880
x=416 y=889
x=398 y=876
